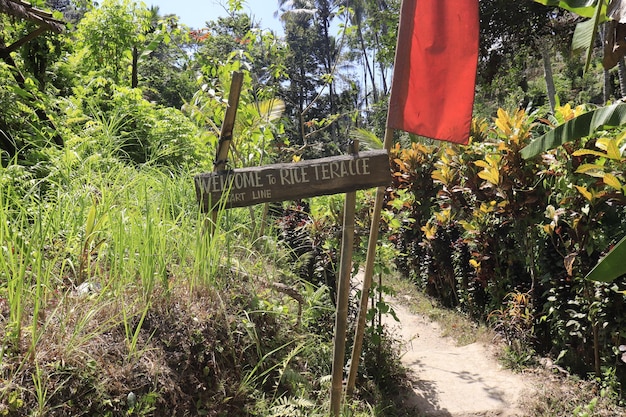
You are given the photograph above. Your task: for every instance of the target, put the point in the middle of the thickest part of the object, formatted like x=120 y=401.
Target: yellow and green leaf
x=586 y=193
x=612 y=181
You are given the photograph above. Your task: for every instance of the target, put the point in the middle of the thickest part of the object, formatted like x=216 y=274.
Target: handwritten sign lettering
x=278 y=182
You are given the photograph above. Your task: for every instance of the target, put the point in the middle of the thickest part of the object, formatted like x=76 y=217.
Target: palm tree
x=307 y=29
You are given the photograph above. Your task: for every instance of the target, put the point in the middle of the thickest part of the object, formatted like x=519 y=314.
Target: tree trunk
x=607 y=86
x=330 y=69
x=365 y=93
x=547 y=70
x=134 y=81
x=366 y=61
x=383 y=71
x=607 y=90
x=621 y=72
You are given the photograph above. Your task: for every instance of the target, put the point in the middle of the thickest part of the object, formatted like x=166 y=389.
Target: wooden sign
x=279 y=182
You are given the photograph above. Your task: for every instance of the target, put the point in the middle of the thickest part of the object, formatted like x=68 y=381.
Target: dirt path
x=453 y=381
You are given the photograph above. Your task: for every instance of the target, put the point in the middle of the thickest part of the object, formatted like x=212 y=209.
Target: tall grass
x=26 y=265
x=87 y=259
x=92 y=248
x=13 y=266
x=105 y=233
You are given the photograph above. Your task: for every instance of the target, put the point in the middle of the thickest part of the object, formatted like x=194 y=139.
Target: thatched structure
x=26 y=11
x=44 y=20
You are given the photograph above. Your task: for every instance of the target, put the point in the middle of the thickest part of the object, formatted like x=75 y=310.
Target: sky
x=195 y=13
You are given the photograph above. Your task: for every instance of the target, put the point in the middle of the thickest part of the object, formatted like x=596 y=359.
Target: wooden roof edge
x=25 y=10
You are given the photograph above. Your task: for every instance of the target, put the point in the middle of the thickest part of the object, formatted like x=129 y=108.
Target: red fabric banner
x=434 y=76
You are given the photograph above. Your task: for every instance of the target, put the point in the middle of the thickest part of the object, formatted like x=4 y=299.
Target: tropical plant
x=113 y=37
x=608 y=159
x=483 y=245
x=258 y=130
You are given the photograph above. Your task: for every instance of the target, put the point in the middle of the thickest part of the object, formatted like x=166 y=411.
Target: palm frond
x=367 y=138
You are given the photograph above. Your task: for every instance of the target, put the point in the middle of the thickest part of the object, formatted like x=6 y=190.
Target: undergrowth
x=116 y=301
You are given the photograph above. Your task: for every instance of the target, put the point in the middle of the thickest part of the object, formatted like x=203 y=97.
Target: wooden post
x=343 y=292
x=226 y=136
x=367 y=278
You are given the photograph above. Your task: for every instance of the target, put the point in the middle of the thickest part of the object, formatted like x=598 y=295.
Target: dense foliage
x=115 y=301
x=510 y=241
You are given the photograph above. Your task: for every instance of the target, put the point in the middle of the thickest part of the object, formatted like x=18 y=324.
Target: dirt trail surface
x=453 y=381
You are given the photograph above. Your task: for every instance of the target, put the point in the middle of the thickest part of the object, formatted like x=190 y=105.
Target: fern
x=294 y=407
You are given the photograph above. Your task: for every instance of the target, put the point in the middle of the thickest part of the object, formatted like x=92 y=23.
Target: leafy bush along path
x=450 y=380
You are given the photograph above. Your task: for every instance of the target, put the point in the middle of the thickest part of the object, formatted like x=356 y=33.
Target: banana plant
x=598 y=11
x=585 y=32
x=576 y=128
x=586 y=8
x=611 y=266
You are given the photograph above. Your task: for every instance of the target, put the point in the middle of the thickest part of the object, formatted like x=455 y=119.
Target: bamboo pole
x=343 y=292
x=367 y=279
x=369 y=262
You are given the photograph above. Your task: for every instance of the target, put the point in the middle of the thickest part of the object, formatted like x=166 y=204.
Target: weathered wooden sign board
x=291 y=181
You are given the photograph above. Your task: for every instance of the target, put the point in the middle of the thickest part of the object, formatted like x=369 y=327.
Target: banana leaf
x=611 y=266
x=368 y=138
x=585 y=36
x=579 y=127
x=585 y=8
x=585 y=32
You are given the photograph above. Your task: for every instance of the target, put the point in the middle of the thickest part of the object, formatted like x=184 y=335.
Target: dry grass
x=186 y=361
x=557 y=395
x=453 y=324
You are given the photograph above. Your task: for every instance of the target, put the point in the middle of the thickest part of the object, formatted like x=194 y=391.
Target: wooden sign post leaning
x=343 y=298
x=223 y=189
x=292 y=181
x=226 y=134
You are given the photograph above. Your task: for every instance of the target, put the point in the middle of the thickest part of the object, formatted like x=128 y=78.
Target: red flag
x=432 y=93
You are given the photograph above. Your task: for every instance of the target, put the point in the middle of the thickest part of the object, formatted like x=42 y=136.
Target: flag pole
x=427 y=99
x=367 y=279
x=372 y=244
